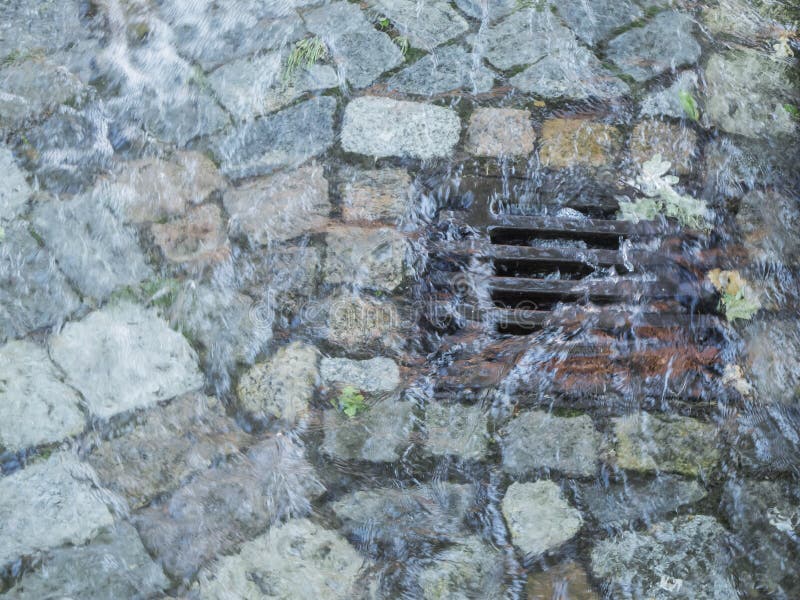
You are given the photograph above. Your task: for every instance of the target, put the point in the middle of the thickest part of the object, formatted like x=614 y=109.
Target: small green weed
x=305 y=53
x=793 y=111
x=350 y=401
x=384 y=23
x=689 y=105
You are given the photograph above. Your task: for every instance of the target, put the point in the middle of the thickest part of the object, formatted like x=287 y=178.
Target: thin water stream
x=399 y=299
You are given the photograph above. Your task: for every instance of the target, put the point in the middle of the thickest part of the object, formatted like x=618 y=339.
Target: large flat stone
x=298 y=559
x=166 y=446
x=379 y=434
x=401 y=520
x=568 y=143
x=525 y=37
x=446 y=69
x=745 y=93
x=500 y=132
x=618 y=505
x=47 y=505
x=282 y=387
x=379 y=374
x=154 y=189
x=663 y=44
x=113 y=565
x=686 y=557
x=646 y=442
x=223 y=507
x=284 y=139
x=124 y=357
x=375 y=194
x=594 y=21
x=372 y=258
x=33 y=86
x=360 y=52
x=34 y=293
x=538 y=518
x=575 y=73
x=91 y=244
x=213 y=34
x=470 y=568
x=37 y=407
x=426 y=25
x=382 y=127
x=456 y=430
x=538 y=440
x=255 y=86
x=281 y=207
x=69 y=148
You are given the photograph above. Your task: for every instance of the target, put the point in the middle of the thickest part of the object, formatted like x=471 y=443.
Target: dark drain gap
x=520 y=237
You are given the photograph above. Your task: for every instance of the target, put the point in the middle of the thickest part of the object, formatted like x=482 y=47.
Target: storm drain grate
x=635 y=292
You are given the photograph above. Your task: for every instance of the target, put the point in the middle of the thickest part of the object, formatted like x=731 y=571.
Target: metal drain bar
x=629 y=301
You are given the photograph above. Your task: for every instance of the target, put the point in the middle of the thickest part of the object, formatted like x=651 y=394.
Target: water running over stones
x=419 y=314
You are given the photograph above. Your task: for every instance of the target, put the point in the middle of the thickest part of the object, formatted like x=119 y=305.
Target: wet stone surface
x=617 y=505
x=375 y=257
x=113 y=565
x=422 y=516
x=39 y=408
x=280 y=207
x=295 y=559
x=48 y=504
x=248 y=493
x=124 y=357
x=664 y=43
x=469 y=568
x=498 y=131
x=245 y=249
x=383 y=127
x=646 y=442
x=538 y=518
x=667 y=559
x=575 y=142
x=14 y=191
x=456 y=430
x=282 y=387
x=160 y=449
x=537 y=440
x=35 y=294
x=360 y=52
x=375 y=195
x=446 y=69
x=379 y=434
x=426 y=26
x=284 y=139
x=93 y=248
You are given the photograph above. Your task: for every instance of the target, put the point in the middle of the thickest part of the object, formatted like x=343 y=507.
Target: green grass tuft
x=305 y=53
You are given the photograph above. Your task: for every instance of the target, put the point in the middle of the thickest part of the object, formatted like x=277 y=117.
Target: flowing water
x=399 y=299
